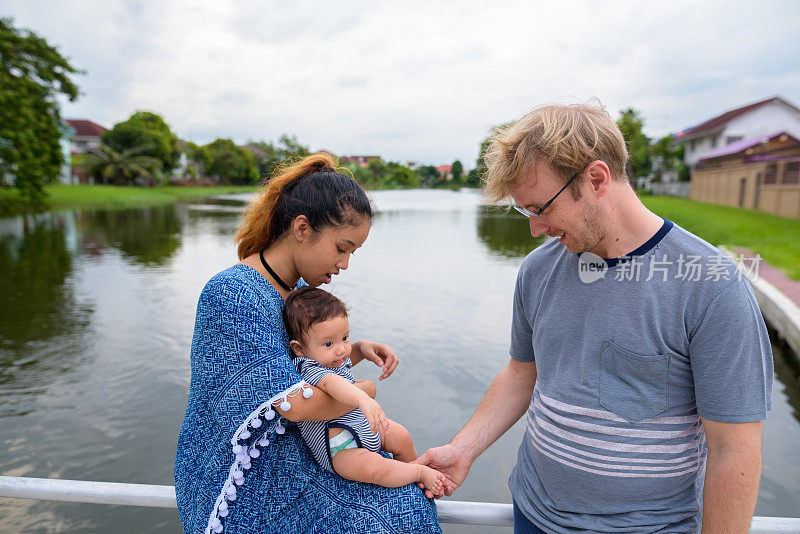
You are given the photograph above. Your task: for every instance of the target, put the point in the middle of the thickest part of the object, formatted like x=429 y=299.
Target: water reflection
x=787 y=372
x=35 y=263
x=39 y=310
x=505 y=234
x=148 y=236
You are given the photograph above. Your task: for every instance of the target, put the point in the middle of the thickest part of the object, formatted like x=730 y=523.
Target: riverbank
x=113 y=196
x=771 y=236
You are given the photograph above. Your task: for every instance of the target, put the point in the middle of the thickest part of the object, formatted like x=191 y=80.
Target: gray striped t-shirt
x=626 y=365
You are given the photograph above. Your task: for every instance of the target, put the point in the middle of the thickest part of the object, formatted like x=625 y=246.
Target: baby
x=348 y=445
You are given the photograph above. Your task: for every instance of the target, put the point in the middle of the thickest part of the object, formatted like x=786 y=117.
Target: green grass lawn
x=777 y=239
x=69 y=196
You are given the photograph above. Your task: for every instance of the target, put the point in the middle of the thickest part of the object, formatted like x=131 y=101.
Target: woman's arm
x=320 y=406
x=367 y=385
x=346 y=392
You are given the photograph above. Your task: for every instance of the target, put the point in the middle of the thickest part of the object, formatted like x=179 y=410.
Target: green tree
x=377 y=171
x=145 y=128
x=121 y=167
x=473 y=179
x=229 y=162
x=199 y=155
x=631 y=124
x=457 y=170
x=428 y=175
x=400 y=175
x=669 y=157
x=287 y=147
x=271 y=160
x=361 y=174
x=480 y=165
x=269 y=148
x=290 y=147
x=33 y=74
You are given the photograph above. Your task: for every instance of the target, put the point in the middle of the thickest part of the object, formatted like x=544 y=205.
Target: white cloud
x=414 y=80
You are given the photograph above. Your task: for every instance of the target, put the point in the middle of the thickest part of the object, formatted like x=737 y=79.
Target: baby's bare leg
x=366 y=466
x=398 y=441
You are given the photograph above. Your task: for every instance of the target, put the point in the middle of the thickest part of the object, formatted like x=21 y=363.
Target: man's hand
x=507 y=400
x=374 y=414
x=380 y=354
x=451 y=462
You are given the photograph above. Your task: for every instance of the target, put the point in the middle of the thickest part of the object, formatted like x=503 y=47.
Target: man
x=644 y=369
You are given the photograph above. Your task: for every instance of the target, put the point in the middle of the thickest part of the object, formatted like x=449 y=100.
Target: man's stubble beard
x=595 y=228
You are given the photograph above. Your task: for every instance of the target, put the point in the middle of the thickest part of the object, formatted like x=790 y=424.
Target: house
x=746 y=122
x=362 y=161
x=87 y=135
x=445 y=172
x=761 y=173
x=65 y=142
x=182 y=167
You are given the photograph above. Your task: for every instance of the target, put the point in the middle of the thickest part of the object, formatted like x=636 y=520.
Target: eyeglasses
x=538 y=213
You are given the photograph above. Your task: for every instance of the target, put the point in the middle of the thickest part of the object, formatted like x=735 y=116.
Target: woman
x=241 y=465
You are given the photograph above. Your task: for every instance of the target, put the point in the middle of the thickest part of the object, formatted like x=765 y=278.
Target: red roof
x=444 y=169
x=86 y=128
x=712 y=125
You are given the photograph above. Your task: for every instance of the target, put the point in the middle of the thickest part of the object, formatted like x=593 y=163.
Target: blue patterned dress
x=240 y=467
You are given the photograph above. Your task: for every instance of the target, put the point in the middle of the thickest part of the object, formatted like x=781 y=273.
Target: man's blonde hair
x=568 y=137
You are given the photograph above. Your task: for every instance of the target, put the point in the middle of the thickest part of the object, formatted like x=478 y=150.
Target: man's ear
x=296 y=347
x=599 y=177
x=301 y=228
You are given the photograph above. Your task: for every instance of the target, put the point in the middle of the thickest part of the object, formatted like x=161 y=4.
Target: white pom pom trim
x=244 y=454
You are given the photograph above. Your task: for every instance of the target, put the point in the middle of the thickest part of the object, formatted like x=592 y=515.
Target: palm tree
x=123 y=166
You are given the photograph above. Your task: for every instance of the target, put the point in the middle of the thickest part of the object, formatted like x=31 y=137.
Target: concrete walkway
x=778 y=297
x=788 y=287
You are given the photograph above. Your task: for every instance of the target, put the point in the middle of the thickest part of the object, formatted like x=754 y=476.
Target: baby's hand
x=375 y=416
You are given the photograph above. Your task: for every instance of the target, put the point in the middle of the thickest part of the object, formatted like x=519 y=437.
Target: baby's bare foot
x=432 y=479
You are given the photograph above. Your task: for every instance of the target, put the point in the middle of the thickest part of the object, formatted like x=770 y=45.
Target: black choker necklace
x=272 y=273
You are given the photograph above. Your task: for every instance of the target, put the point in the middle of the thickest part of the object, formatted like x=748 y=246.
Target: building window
x=714 y=141
x=771 y=174
x=691 y=145
x=791 y=173
x=733 y=138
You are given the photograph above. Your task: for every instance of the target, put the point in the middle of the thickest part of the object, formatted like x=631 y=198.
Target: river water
x=96 y=316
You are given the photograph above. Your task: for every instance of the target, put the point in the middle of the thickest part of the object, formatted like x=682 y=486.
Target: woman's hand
x=380 y=354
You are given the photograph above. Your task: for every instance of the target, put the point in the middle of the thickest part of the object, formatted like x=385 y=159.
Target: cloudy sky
x=419 y=81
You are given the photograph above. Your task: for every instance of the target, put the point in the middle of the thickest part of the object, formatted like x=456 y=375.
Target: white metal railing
x=456 y=512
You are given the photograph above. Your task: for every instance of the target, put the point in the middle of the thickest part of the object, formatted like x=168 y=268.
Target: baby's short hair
x=307 y=306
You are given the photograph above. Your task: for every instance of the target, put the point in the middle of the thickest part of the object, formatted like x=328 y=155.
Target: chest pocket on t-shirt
x=633 y=386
